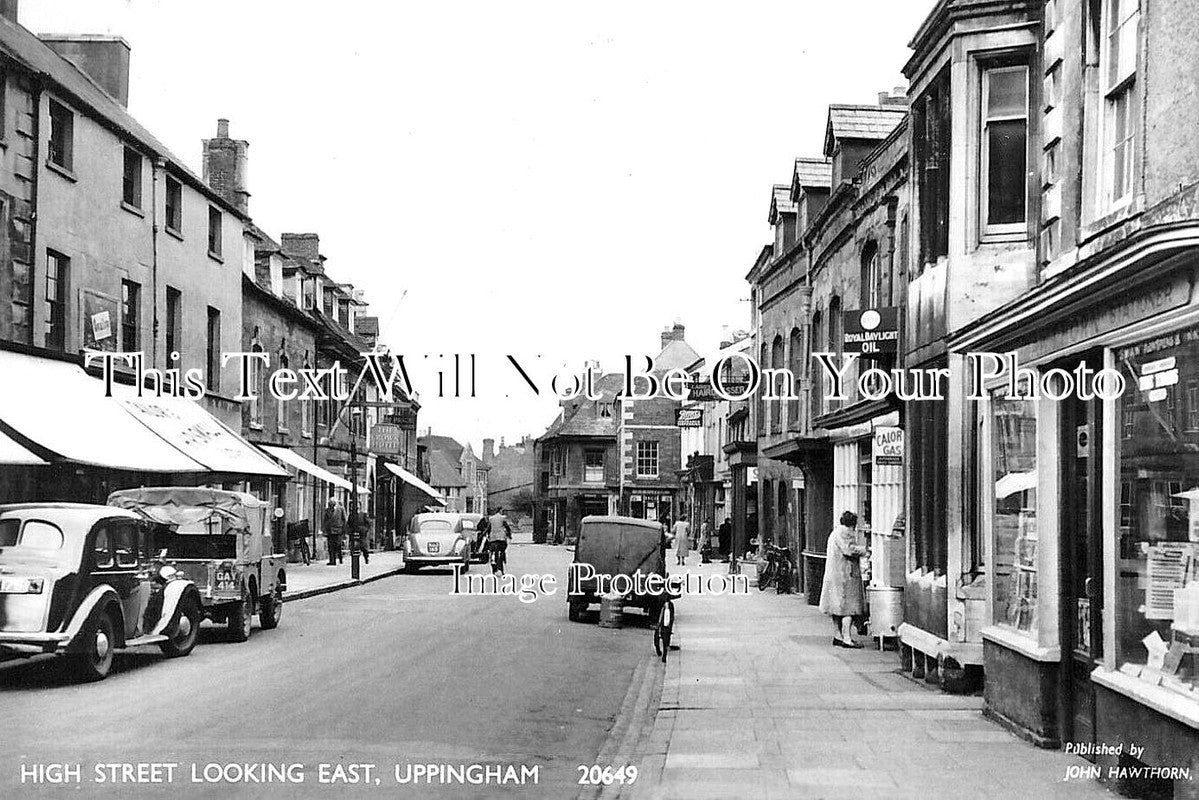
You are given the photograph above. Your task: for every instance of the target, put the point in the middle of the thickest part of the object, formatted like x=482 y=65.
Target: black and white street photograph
x=624 y=401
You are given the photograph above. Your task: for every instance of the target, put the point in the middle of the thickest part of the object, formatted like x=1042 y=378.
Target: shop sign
x=689 y=417
x=404 y=418
x=700 y=391
x=385 y=438
x=98 y=314
x=888 y=447
x=751 y=476
x=871 y=331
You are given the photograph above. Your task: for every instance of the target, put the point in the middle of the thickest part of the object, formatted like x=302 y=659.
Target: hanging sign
x=871 y=331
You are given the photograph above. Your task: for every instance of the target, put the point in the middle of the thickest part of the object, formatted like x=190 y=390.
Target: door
x=119 y=560
x=1081 y=559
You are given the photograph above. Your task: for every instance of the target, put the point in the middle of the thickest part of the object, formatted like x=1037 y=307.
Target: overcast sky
x=551 y=178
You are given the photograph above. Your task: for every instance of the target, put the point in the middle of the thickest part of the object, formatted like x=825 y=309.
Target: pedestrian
x=705 y=540
x=334 y=525
x=724 y=537
x=843 y=596
x=682 y=539
x=665 y=540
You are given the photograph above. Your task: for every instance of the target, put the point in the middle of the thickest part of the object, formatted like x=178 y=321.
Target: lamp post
x=355 y=567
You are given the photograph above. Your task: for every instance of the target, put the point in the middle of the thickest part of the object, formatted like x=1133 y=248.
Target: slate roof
x=860 y=122
x=811 y=173
x=676 y=355
x=442 y=444
x=443 y=472
x=586 y=419
x=25 y=48
x=780 y=202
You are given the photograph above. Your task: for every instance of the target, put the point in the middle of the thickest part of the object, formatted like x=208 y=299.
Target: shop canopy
x=1014 y=482
x=13 y=453
x=63 y=409
x=297 y=461
x=410 y=479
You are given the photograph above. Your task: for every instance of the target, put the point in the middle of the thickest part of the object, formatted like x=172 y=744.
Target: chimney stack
x=488 y=452
x=306 y=246
x=674 y=334
x=104 y=59
x=8 y=9
x=225 y=166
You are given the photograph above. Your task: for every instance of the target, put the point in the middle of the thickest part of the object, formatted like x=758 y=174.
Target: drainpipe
x=159 y=164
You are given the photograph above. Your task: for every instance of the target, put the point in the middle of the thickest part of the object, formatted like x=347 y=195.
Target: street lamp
x=355 y=411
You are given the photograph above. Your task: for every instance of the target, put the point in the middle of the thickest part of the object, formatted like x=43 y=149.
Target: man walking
x=360 y=530
x=334 y=525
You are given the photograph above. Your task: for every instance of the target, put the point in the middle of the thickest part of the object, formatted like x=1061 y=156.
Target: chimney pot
x=222 y=129
x=226 y=165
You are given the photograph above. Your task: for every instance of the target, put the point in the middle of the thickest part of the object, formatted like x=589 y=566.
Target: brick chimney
x=225 y=166
x=8 y=9
x=674 y=334
x=104 y=59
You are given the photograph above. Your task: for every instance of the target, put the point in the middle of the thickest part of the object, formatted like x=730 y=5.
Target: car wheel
x=240 y=618
x=99 y=638
x=271 y=610
x=185 y=630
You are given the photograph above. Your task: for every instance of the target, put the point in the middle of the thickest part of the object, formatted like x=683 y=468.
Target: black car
x=84 y=580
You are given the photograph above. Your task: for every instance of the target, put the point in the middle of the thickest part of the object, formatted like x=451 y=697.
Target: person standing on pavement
x=682 y=539
x=705 y=540
x=843 y=595
x=334 y=525
x=724 y=537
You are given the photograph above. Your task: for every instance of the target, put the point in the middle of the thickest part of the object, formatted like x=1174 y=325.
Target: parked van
x=616 y=546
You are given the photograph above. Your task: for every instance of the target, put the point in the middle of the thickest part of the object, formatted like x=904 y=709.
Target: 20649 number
x=595 y=775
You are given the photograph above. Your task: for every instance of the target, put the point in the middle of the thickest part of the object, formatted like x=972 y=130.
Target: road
x=396 y=672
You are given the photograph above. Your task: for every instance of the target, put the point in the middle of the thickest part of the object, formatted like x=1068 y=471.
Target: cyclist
x=498 y=534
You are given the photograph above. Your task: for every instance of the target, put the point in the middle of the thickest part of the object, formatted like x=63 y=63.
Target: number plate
x=434 y=547
x=224 y=581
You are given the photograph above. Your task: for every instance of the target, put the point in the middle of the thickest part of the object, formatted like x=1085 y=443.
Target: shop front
x=1089 y=500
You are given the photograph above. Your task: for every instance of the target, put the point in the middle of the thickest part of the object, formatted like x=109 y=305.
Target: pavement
x=319 y=578
x=392 y=673
x=758 y=703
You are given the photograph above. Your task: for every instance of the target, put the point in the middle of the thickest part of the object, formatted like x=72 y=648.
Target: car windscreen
x=29 y=534
x=436 y=526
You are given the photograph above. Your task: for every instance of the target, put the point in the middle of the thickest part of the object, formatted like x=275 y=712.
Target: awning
x=410 y=479
x=62 y=408
x=1014 y=482
x=294 y=459
x=13 y=453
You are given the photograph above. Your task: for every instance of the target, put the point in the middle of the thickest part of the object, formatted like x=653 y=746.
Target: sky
x=555 y=181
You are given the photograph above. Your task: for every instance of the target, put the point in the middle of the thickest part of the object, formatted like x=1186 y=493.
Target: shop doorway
x=1081 y=558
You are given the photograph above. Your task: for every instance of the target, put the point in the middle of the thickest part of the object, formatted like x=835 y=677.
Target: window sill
x=1005 y=237
x=1171 y=704
x=255 y=426
x=216 y=257
x=1022 y=643
x=174 y=232
x=132 y=209
x=63 y=171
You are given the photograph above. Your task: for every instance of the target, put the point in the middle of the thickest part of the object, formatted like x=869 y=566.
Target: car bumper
x=430 y=560
x=33 y=643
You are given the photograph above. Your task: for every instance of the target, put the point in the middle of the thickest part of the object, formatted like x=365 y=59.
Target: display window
x=1157 y=584
x=1014 y=512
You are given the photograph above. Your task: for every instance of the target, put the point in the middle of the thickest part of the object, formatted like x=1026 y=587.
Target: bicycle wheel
x=766 y=577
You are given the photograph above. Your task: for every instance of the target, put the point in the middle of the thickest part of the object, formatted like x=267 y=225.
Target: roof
x=676 y=355
x=811 y=173
x=780 y=202
x=24 y=47
x=586 y=421
x=443 y=444
x=443 y=471
x=860 y=122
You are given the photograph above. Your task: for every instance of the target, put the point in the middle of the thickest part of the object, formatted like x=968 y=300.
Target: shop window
x=1157 y=583
x=1014 y=512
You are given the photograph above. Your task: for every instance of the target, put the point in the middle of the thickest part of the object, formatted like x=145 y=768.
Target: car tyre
x=241 y=616
x=185 y=630
x=94 y=662
x=271 y=609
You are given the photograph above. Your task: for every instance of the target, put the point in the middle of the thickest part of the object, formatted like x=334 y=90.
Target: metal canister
x=611 y=611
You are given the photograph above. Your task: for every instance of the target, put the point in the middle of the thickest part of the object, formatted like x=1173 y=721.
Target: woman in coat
x=842 y=595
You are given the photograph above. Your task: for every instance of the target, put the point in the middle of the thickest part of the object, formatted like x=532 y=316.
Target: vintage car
x=86 y=580
x=437 y=539
x=222 y=541
x=616 y=546
x=470 y=528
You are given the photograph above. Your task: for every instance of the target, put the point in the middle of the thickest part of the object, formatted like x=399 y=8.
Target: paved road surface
x=394 y=672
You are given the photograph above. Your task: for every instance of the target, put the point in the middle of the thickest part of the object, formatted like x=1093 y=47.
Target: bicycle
x=499 y=558
x=778 y=571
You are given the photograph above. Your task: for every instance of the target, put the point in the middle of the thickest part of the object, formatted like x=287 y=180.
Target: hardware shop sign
x=871 y=331
x=689 y=417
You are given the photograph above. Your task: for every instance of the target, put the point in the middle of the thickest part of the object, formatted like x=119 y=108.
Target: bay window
x=1004 y=149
